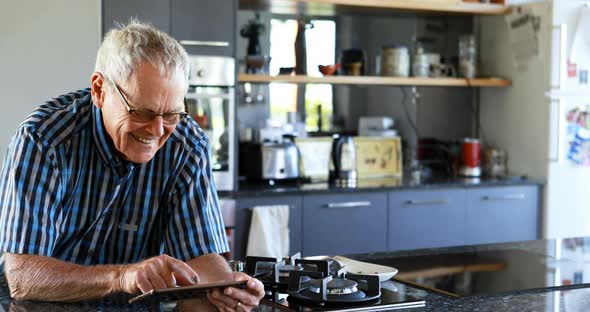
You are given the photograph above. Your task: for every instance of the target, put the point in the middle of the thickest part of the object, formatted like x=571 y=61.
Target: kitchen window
x=321 y=50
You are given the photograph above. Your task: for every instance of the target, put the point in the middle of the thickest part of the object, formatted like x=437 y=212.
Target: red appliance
x=471 y=158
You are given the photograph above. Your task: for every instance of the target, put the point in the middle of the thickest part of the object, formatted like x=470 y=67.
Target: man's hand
x=235 y=299
x=158 y=272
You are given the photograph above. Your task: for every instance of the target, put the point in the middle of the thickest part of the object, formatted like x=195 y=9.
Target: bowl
x=328 y=70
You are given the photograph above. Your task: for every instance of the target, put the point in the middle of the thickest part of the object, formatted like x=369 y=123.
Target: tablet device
x=186 y=292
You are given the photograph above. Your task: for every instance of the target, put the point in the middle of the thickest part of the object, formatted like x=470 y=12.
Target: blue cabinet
x=243 y=215
x=205 y=26
x=426 y=218
x=344 y=223
x=155 y=12
x=361 y=222
x=202 y=26
x=502 y=214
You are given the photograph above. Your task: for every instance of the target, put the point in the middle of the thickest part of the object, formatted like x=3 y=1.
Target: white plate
x=358 y=267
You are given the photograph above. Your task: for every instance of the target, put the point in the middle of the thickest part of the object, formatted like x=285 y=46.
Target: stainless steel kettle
x=343 y=162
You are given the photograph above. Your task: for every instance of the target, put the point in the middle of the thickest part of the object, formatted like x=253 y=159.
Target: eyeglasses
x=147 y=116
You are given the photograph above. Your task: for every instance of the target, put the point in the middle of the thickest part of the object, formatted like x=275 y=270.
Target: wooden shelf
x=334 y=7
x=379 y=81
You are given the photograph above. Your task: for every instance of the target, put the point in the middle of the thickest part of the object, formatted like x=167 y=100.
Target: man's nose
x=156 y=127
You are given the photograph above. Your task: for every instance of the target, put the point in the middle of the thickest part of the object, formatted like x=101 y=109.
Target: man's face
x=145 y=90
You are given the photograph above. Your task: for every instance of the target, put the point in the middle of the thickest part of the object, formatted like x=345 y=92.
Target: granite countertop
x=557 y=264
x=555 y=299
x=249 y=189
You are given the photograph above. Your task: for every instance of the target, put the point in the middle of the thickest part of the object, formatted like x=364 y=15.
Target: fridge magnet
x=583 y=76
x=578 y=136
x=571 y=69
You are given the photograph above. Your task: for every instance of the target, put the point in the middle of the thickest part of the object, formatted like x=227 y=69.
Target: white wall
x=47 y=48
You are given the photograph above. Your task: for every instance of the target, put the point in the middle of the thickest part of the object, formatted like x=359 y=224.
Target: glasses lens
x=142 y=116
x=171 y=118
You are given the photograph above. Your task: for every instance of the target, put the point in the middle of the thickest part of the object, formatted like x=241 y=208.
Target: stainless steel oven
x=211 y=104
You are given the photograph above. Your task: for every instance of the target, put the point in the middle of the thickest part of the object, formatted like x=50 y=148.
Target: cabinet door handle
x=426 y=202
x=349 y=204
x=505 y=197
x=205 y=43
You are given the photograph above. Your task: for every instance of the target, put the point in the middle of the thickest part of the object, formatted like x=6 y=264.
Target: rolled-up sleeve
x=196 y=224
x=29 y=193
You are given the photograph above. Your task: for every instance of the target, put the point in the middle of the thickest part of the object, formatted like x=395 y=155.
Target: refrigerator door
x=567 y=203
x=572 y=17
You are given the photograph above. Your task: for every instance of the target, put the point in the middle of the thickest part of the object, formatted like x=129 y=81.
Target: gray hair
x=127 y=46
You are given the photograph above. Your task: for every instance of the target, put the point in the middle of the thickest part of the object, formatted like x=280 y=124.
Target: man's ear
x=98 y=88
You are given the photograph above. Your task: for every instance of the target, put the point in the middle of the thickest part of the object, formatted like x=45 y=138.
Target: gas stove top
x=295 y=284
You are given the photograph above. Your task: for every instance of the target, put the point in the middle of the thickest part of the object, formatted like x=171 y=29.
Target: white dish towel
x=269 y=232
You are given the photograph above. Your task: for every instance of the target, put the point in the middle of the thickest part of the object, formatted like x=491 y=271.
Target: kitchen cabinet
x=502 y=214
x=202 y=26
x=344 y=223
x=426 y=218
x=386 y=220
x=243 y=215
x=156 y=12
x=205 y=26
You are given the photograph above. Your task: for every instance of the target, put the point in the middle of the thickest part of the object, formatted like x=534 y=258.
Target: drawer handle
x=205 y=43
x=505 y=197
x=426 y=202
x=349 y=204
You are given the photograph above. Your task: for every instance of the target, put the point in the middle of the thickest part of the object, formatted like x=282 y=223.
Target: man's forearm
x=210 y=267
x=35 y=277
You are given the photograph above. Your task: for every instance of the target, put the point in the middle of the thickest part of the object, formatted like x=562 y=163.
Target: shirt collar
x=105 y=146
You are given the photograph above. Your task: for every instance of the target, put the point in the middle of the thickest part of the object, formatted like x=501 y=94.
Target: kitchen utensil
x=378 y=157
x=315 y=157
x=358 y=267
x=280 y=160
x=352 y=62
x=375 y=126
x=395 y=61
x=270 y=161
x=471 y=158
x=328 y=70
x=495 y=162
x=343 y=162
x=467 y=56
x=421 y=65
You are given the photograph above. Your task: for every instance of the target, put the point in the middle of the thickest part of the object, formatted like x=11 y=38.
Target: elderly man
x=97 y=180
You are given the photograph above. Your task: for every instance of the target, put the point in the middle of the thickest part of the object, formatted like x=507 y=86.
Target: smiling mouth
x=143 y=140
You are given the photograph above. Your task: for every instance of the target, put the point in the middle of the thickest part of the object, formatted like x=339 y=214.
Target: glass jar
x=467 y=56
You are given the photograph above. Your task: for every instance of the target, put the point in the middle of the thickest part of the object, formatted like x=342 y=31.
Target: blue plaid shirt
x=65 y=193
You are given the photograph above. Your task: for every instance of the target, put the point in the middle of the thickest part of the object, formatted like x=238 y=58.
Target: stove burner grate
x=311 y=287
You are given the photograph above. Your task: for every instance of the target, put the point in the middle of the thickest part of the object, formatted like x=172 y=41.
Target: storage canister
x=395 y=61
